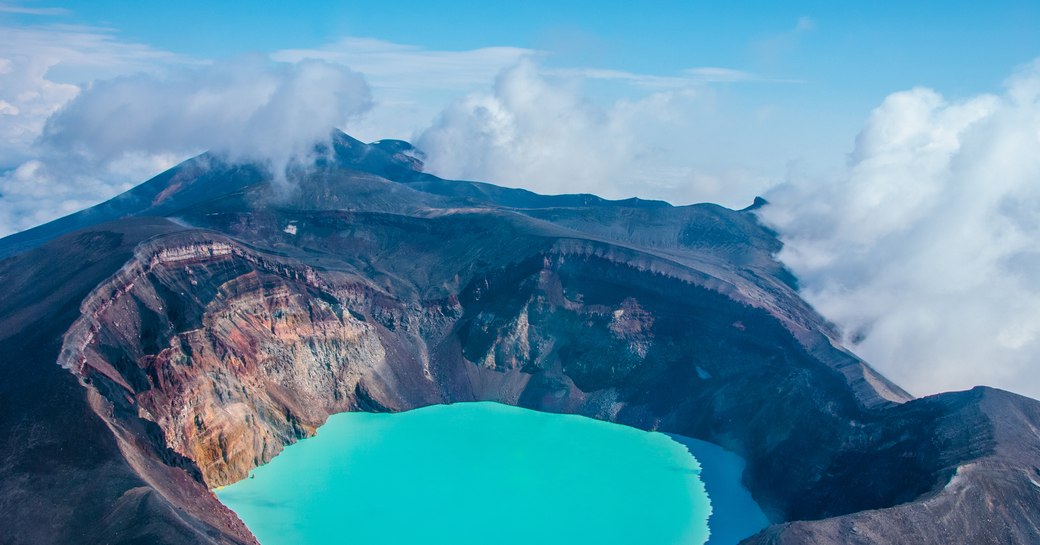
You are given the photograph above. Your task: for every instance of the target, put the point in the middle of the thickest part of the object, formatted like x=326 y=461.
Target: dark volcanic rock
x=147 y=359
x=71 y=470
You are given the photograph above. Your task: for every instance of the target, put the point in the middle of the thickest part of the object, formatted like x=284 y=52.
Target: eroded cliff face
x=232 y=356
x=233 y=353
x=78 y=468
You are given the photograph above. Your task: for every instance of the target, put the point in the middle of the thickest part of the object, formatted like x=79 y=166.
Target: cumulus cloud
x=410 y=84
x=41 y=68
x=248 y=108
x=117 y=132
x=536 y=129
x=70 y=144
x=84 y=116
x=40 y=71
x=926 y=250
x=526 y=132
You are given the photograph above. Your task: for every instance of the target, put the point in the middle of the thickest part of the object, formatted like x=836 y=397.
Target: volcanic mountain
x=171 y=339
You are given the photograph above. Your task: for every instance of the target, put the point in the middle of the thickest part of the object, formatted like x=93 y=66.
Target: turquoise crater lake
x=475 y=473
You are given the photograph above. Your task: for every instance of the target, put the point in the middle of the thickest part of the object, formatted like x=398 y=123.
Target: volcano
x=173 y=338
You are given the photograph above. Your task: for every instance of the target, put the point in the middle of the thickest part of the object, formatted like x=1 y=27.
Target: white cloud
x=690 y=77
x=248 y=108
x=6 y=7
x=534 y=133
x=927 y=249
x=116 y=103
x=389 y=65
x=36 y=192
x=102 y=139
x=410 y=84
x=86 y=115
x=646 y=81
x=40 y=71
x=718 y=74
x=536 y=129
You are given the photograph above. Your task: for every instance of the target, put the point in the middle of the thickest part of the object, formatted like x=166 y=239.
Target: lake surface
x=476 y=473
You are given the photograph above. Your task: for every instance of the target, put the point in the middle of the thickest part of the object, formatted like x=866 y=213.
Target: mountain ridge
x=216 y=317
x=163 y=194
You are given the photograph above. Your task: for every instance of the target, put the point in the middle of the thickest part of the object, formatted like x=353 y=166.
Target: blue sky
x=909 y=43
x=858 y=49
x=815 y=69
x=896 y=141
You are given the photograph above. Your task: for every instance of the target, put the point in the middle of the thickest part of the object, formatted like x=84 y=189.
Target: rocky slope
x=218 y=317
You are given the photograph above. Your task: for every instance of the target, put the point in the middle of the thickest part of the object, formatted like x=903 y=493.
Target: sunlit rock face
x=217 y=318
x=230 y=355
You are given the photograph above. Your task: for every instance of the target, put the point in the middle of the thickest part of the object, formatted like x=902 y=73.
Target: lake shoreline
x=735 y=514
x=546 y=467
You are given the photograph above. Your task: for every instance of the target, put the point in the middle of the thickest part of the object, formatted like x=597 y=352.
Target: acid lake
x=479 y=473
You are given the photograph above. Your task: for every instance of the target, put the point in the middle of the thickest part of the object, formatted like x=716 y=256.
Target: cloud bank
x=39 y=68
x=528 y=132
x=96 y=141
x=537 y=129
x=73 y=144
x=249 y=108
x=69 y=144
x=410 y=84
x=926 y=251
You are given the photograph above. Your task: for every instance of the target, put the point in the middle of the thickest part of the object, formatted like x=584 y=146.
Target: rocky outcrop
x=990 y=498
x=76 y=468
x=256 y=357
